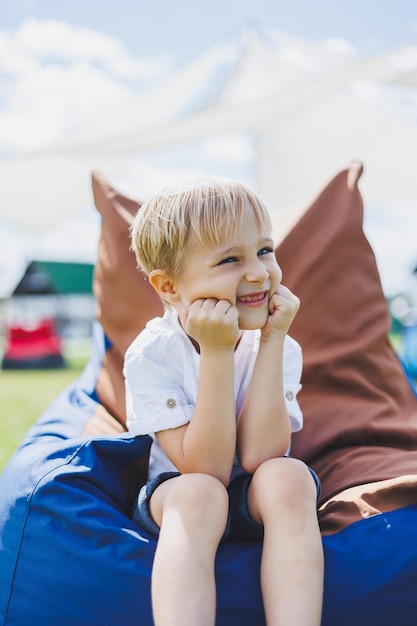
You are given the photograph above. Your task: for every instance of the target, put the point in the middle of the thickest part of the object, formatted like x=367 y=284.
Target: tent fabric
x=67 y=491
x=36 y=347
x=243 y=85
x=67 y=277
x=55 y=277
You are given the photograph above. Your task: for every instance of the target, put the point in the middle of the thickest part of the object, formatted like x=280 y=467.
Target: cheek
x=205 y=286
x=275 y=273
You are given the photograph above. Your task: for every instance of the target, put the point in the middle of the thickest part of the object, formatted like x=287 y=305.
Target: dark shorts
x=240 y=525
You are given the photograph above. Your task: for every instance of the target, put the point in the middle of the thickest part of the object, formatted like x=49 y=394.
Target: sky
x=116 y=49
x=66 y=63
x=184 y=28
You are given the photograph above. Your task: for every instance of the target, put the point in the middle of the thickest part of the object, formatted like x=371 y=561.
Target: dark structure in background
x=46 y=305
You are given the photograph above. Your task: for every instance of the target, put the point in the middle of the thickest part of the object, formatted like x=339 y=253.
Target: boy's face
x=243 y=271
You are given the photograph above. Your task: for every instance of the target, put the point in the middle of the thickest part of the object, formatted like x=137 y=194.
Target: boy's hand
x=212 y=323
x=283 y=307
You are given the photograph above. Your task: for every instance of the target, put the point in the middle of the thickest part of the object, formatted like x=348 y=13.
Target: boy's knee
x=199 y=494
x=286 y=477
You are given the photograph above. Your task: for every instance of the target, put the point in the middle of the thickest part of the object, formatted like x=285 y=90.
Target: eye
x=265 y=250
x=229 y=259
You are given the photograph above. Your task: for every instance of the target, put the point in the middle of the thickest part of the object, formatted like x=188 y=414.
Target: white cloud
x=14 y=61
x=52 y=100
x=52 y=39
x=339 y=47
x=55 y=77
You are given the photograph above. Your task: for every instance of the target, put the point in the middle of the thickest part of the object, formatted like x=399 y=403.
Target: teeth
x=253 y=298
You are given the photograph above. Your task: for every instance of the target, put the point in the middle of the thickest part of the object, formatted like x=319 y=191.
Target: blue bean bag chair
x=69 y=551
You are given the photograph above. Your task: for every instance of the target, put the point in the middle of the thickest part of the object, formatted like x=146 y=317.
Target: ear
x=164 y=286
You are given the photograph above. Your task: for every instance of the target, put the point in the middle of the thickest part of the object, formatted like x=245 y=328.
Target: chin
x=252 y=324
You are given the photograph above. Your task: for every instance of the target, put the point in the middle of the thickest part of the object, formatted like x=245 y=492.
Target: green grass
x=25 y=394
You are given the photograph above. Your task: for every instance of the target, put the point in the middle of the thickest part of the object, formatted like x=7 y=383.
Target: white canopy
x=310 y=110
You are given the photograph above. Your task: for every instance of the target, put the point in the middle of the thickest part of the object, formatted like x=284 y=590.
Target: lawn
x=25 y=395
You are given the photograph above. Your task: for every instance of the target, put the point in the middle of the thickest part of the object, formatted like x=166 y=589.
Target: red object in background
x=37 y=347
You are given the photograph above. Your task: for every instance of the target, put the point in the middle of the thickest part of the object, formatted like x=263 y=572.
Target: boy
x=214 y=381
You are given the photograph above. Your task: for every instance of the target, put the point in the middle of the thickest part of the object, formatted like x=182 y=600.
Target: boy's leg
x=282 y=497
x=191 y=511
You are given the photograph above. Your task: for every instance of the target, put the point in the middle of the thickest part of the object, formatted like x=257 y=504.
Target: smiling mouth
x=254 y=299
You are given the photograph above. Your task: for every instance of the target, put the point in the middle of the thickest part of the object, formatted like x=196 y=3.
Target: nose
x=256 y=272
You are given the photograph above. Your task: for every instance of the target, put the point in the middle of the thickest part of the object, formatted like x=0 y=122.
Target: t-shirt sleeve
x=293 y=365
x=155 y=399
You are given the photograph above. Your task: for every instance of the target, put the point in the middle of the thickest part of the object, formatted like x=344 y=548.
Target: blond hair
x=208 y=209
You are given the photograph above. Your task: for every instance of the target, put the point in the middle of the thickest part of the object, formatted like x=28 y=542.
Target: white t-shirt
x=161 y=371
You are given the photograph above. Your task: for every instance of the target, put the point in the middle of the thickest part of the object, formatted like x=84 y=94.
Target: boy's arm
x=264 y=428
x=207 y=443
